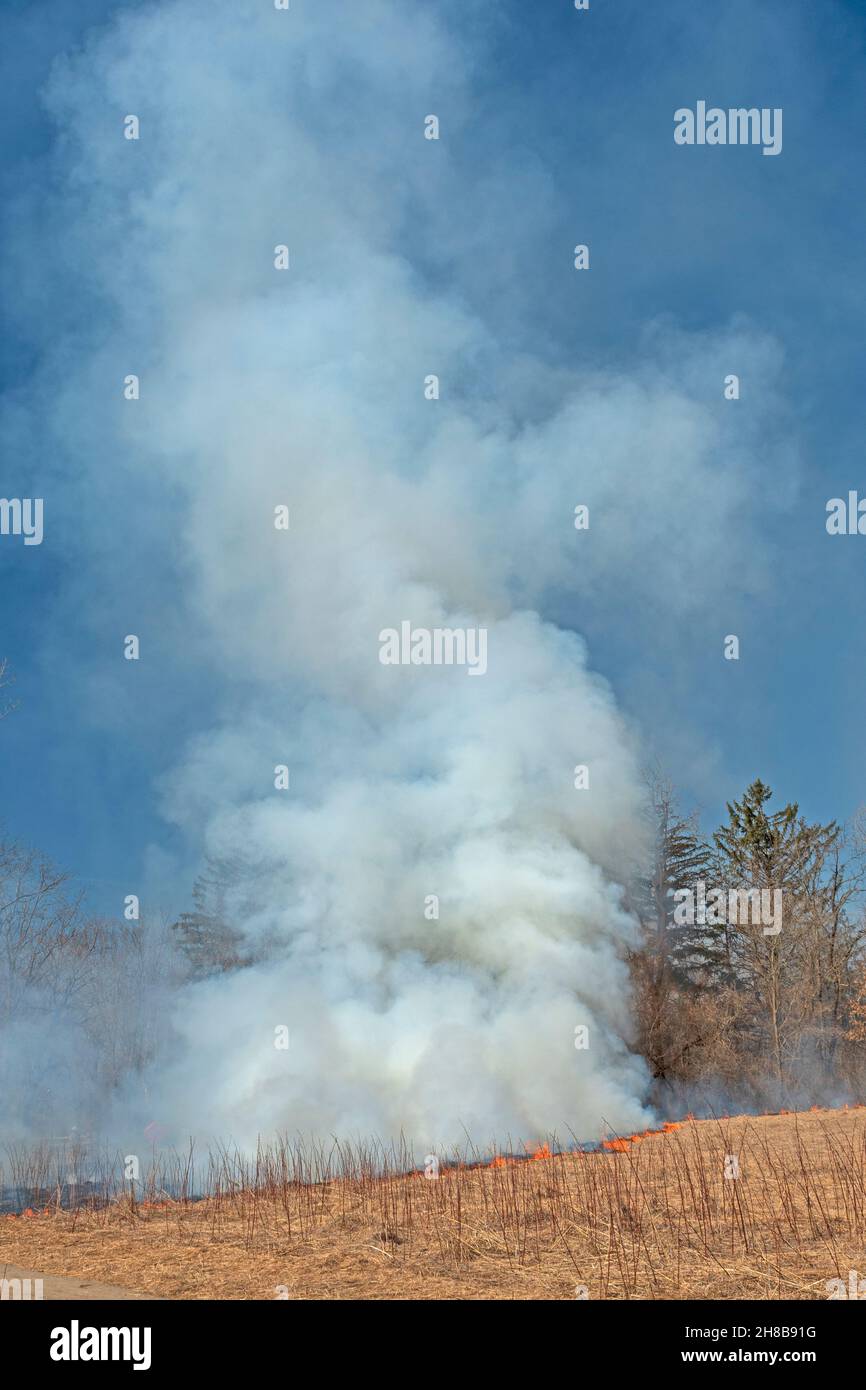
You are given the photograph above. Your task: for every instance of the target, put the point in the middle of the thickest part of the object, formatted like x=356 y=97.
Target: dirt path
x=59 y=1290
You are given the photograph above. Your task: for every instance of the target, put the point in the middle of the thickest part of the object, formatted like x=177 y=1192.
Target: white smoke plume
x=305 y=388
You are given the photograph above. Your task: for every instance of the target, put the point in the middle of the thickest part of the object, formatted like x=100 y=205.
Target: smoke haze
x=305 y=388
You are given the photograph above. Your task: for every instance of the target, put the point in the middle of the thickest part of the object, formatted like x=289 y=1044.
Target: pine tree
x=208 y=940
x=778 y=851
x=672 y=962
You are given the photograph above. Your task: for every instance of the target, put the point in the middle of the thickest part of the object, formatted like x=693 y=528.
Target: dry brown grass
x=659 y=1220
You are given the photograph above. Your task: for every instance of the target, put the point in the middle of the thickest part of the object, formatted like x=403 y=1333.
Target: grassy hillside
x=651 y=1216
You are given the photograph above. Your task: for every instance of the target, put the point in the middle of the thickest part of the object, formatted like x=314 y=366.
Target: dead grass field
x=657 y=1219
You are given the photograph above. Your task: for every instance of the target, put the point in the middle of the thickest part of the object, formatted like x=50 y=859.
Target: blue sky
x=566 y=136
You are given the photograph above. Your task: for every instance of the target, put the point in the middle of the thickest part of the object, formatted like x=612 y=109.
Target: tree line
x=727 y=1011
x=739 y=1011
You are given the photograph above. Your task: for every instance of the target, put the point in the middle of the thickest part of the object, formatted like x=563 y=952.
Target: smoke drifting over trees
x=726 y=1015
x=282 y=273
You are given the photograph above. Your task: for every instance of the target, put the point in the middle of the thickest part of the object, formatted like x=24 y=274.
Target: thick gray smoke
x=305 y=387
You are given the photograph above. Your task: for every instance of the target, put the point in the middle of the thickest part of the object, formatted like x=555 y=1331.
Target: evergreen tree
x=207 y=938
x=760 y=849
x=672 y=960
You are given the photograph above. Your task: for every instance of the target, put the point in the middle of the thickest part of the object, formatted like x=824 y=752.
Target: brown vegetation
x=652 y=1217
x=751 y=1017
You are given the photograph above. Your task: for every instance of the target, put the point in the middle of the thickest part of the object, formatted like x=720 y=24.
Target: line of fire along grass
x=619 y=1143
x=19 y=1202
x=616 y=1144
x=26 y=1202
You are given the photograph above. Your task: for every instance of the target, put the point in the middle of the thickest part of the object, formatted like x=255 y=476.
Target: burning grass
x=649 y=1216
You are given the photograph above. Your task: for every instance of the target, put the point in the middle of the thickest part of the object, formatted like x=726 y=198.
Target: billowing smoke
x=305 y=388
x=425 y=785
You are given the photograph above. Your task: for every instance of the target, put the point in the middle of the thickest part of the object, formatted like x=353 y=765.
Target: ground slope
x=752 y=1207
